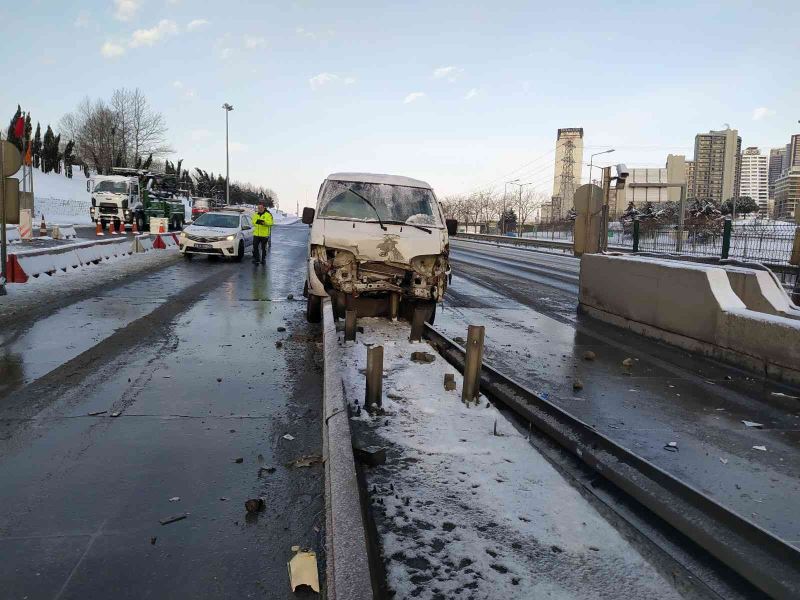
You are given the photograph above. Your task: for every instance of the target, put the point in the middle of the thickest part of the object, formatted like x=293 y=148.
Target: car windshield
x=217 y=220
x=393 y=203
x=116 y=187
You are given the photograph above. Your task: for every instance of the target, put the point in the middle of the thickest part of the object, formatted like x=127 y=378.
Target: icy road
x=153 y=389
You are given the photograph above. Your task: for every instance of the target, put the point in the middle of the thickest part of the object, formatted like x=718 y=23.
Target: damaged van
x=379 y=244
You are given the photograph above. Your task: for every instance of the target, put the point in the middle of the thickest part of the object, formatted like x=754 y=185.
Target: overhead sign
x=12 y=159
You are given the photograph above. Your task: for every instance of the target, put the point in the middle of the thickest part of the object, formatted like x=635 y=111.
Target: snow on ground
x=464 y=513
x=62 y=200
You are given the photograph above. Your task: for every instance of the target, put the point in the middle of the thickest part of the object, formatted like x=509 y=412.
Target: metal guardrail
x=766 y=561
x=516 y=241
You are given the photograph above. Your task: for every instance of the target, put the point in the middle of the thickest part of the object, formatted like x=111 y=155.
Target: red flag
x=28 y=158
x=19 y=127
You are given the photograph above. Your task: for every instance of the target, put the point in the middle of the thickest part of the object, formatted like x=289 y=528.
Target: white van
x=379 y=244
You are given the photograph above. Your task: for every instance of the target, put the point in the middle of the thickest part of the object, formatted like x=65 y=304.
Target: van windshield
x=393 y=203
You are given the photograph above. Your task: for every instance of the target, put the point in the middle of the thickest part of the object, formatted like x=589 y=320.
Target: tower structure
x=567 y=170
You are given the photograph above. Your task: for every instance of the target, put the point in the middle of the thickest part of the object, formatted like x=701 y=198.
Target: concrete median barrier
x=695 y=307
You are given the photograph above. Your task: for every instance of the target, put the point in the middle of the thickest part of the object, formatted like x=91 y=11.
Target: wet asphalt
x=528 y=300
x=189 y=373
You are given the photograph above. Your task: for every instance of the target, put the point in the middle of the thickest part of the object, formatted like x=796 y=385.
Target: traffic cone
x=98 y=230
x=112 y=227
x=161 y=227
x=134 y=228
x=43 y=228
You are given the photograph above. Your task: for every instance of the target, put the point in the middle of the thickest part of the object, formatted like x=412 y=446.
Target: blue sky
x=461 y=94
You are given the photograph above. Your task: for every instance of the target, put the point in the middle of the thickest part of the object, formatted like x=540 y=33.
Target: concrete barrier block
x=760 y=291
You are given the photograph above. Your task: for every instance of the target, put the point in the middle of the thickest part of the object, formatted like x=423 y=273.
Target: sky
x=464 y=95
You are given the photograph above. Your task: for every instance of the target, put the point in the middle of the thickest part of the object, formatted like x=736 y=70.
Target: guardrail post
x=636 y=235
x=350 y=325
x=472 y=364
x=417 y=324
x=373 y=397
x=394 y=305
x=727 y=227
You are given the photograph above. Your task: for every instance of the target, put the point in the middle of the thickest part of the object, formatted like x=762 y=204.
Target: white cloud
x=196 y=24
x=307 y=34
x=413 y=97
x=177 y=85
x=450 y=73
x=762 y=112
x=148 y=37
x=225 y=53
x=112 y=50
x=82 y=20
x=252 y=42
x=471 y=94
x=198 y=135
x=322 y=79
x=125 y=10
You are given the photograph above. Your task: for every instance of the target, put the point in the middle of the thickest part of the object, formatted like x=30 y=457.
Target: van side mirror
x=452 y=226
x=308 y=215
x=89 y=185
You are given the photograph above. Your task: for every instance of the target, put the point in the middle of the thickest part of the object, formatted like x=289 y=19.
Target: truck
x=134 y=195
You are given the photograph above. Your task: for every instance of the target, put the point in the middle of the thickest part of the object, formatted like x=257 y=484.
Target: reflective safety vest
x=262 y=224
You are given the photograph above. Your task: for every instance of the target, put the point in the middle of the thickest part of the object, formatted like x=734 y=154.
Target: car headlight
x=230 y=238
x=183 y=234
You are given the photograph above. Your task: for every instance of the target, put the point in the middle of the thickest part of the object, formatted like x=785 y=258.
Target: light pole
x=521 y=185
x=228 y=108
x=503 y=215
x=591 y=160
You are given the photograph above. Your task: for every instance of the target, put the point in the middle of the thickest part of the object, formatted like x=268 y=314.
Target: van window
x=393 y=203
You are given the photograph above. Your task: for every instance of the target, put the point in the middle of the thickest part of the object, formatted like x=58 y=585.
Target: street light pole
x=591 y=160
x=521 y=185
x=228 y=108
x=503 y=215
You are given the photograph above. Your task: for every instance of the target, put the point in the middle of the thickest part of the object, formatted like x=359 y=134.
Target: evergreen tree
x=36 y=149
x=146 y=164
x=57 y=154
x=28 y=130
x=68 y=158
x=47 y=150
x=12 y=134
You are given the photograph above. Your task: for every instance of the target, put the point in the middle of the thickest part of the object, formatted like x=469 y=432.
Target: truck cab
x=113 y=199
x=379 y=244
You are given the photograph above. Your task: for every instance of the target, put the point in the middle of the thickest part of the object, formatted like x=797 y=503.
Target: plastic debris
x=114 y=414
x=288 y=436
x=762 y=448
x=577 y=385
x=305 y=461
x=303 y=569
x=175 y=499
x=752 y=424
x=671 y=447
x=173 y=519
x=782 y=395
x=724 y=461
x=628 y=362
x=97 y=412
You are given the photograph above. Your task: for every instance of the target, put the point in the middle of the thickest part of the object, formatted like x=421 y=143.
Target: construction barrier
x=162 y=241
x=20 y=266
x=64 y=232
x=12 y=233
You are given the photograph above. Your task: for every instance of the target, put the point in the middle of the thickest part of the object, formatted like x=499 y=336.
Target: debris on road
x=238 y=460
x=97 y=412
x=288 y=436
x=303 y=569
x=762 y=448
x=589 y=355
x=305 y=461
x=782 y=395
x=281 y=329
x=628 y=362
x=153 y=540
x=422 y=357
x=724 y=461
x=254 y=505
x=175 y=499
x=279 y=344
x=671 y=447
x=449 y=382
x=114 y=414
x=265 y=470
x=752 y=424
x=219 y=379
x=371 y=456
x=290 y=297
x=173 y=519
x=577 y=385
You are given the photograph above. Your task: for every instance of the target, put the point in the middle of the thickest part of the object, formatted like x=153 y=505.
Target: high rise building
x=717 y=158
x=645 y=185
x=755 y=178
x=787 y=194
x=568 y=167
x=689 y=177
x=792 y=156
x=775 y=169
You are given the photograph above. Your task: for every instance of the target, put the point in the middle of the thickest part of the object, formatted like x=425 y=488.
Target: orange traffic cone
x=134 y=228
x=42 y=228
x=161 y=228
x=112 y=227
x=98 y=230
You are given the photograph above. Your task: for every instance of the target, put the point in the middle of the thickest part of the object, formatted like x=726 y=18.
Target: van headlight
x=183 y=234
x=230 y=238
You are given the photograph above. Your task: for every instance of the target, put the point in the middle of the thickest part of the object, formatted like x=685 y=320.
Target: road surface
x=191 y=360
x=527 y=300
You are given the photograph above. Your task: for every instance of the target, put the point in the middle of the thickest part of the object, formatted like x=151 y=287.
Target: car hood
x=210 y=231
x=368 y=242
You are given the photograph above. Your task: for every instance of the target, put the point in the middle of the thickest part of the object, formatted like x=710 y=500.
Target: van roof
x=379 y=178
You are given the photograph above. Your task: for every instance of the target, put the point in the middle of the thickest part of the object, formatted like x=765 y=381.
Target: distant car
x=200 y=206
x=220 y=233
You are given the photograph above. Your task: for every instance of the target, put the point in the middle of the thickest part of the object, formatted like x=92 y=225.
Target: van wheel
x=240 y=253
x=313 y=309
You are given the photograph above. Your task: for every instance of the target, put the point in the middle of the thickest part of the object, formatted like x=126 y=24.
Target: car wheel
x=240 y=253
x=313 y=309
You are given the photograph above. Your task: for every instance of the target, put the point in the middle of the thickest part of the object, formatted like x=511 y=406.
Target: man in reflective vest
x=262 y=226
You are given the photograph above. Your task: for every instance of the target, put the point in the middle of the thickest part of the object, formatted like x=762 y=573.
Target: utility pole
x=503 y=216
x=521 y=185
x=228 y=108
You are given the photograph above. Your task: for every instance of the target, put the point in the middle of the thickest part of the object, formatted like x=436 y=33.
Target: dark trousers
x=260 y=242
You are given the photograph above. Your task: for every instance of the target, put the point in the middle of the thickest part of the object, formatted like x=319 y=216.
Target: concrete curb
x=348 y=574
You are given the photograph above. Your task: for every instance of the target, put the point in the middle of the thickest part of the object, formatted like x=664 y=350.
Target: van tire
x=313 y=309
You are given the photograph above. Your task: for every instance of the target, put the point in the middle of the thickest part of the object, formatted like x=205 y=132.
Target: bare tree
x=148 y=127
x=527 y=204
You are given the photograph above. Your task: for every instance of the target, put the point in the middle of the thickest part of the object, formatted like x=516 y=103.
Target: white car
x=225 y=233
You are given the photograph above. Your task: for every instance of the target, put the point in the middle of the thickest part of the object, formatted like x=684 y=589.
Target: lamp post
x=521 y=185
x=503 y=215
x=228 y=108
x=591 y=160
